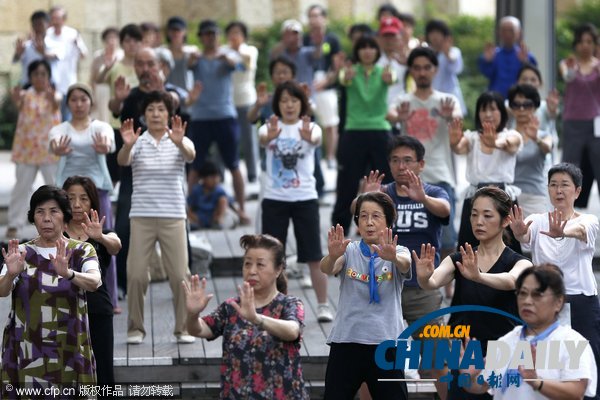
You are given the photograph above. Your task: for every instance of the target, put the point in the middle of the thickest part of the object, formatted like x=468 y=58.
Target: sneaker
x=135 y=339
x=185 y=339
x=306 y=281
x=324 y=313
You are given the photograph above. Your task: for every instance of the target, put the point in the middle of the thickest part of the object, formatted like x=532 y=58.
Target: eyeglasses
x=403 y=161
x=562 y=186
x=536 y=295
x=522 y=105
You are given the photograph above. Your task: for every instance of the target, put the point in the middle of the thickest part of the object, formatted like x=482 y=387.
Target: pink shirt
x=582 y=97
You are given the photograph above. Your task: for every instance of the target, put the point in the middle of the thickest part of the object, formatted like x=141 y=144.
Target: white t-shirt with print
x=291 y=163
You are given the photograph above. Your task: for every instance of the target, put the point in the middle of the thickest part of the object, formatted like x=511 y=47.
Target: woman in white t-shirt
x=540 y=292
x=290 y=190
x=82 y=144
x=491 y=156
x=566 y=238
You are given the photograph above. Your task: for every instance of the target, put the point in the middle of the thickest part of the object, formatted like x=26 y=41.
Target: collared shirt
x=158 y=178
x=503 y=70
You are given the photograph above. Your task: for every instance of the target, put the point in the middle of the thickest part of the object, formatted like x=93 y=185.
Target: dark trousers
x=358 y=152
x=585 y=319
x=122 y=225
x=102 y=337
x=351 y=364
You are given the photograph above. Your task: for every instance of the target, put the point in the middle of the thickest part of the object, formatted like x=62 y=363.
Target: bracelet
x=261 y=322
x=72 y=276
x=540 y=387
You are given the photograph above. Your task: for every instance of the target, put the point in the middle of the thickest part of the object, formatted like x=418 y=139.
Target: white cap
x=291 y=25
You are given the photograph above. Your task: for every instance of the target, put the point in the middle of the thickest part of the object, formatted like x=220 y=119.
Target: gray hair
x=164 y=55
x=514 y=21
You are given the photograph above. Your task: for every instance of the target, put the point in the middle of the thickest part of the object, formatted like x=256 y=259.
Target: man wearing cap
x=213 y=114
x=393 y=53
x=176 y=37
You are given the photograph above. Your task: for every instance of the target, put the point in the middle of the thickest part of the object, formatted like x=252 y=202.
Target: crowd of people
x=165 y=120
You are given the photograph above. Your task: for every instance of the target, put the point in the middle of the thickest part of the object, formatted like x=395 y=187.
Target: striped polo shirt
x=158 y=178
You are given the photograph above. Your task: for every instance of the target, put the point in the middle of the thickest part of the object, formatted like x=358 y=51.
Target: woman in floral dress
x=261 y=328
x=46 y=342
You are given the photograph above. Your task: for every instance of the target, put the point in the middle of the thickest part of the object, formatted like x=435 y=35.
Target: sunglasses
x=522 y=105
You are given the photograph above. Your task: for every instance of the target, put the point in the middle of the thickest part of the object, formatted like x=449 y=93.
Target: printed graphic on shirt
x=385 y=276
x=411 y=216
x=422 y=125
x=286 y=153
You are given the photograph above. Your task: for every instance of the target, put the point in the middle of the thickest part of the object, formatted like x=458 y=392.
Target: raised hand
x=336 y=243
x=386 y=75
x=403 y=111
x=195 y=92
x=523 y=52
x=127 y=133
x=122 y=88
x=19 y=48
x=196 y=298
x=14 y=258
x=15 y=95
x=468 y=267
x=517 y=223
x=424 y=264
x=101 y=143
x=472 y=371
x=50 y=94
x=386 y=249
x=306 y=130
x=349 y=71
x=552 y=102
x=571 y=62
x=177 y=131
x=273 y=129
x=262 y=95
x=530 y=373
x=447 y=45
x=372 y=183
x=489 y=52
x=446 y=108
x=532 y=127
x=61 y=260
x=246 y=308
x=415 y=189
x=338 y=60
x=455 y=131
x=93 y=226
x=62 y=146
x=306 y=89
x=556 y=225
x=488 y=136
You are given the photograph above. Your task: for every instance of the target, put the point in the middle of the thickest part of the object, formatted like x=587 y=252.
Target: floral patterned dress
x=257 y=365
x=46 y=340
x=36 y=118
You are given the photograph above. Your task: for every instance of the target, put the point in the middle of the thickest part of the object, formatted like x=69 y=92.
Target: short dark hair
x=437 y=25
x=47 y=193
x=149 y=27
x=158 y=97
x=363 y=29
x=90 y=189
x=582 y=30
x=282 y=60
x=421 y=52
x=406 y=18
x=108 y=31
x=387 y=7
x=131 y=30
x=407 y=141
x=208 y=168
x=293 y=90
x=484 y=100
x=35 y=64
x=548 y=276
x=383 y=199
x=39 y=15
x=237 y=24
x=530 y=67
x=319 y=7
x=527 y=91
x=272 y=244
x=363 y=42
x=572 y=170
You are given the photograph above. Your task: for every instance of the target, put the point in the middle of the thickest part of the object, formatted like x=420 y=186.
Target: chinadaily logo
x=501 y=362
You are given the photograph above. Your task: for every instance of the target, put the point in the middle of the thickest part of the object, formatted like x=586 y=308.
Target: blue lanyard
x=373 y=292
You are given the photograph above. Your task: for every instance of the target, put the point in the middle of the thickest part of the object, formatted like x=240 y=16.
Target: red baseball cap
x=390 y=25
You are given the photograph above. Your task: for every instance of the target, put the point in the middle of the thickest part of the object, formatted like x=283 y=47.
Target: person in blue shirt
x=208 y=202
x=501 y=64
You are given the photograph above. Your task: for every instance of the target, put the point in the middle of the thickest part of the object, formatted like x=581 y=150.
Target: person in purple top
x=501 y=64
